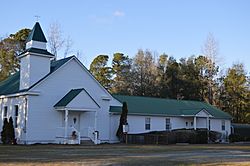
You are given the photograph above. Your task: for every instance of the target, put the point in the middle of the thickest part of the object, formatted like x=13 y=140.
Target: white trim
x=66 y=113
x=186 y=115
x=36 y=44
x=37 y=54
x=105 y=98
x=76 y=109
x=33 y=93
x=209 y=115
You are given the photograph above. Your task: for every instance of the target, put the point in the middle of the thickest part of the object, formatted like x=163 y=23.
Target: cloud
x=118 y=13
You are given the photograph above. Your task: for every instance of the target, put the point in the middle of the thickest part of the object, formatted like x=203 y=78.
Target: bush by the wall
x=191 y=136
x=4 y=131
x=241 y=133
x=214 y=136
x=234 y=138
x=11 y=131
x=8 y=132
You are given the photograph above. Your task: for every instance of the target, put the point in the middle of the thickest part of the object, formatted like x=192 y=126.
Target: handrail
x=93 y=135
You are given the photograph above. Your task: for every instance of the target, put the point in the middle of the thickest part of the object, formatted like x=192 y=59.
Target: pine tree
x=4 y=131
x=123 y=121
x=10 y=47
x=11 y=132
x=8 y=132
x=121 y=66
x=101 y=71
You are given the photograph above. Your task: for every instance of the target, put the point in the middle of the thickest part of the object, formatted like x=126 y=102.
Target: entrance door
x=74 y=120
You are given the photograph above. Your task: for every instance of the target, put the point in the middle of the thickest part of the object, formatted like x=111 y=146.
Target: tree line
x=145 y=74
x=192 y=78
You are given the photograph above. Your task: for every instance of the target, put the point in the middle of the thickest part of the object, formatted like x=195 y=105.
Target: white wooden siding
x=33 y=68
x=10 y=103
x=52 y=89
x=158 y=123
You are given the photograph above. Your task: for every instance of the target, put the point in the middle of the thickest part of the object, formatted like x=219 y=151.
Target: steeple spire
x=36 y=38
x=37 y=34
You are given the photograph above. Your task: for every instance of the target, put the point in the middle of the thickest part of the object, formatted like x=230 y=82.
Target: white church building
x=59 y=101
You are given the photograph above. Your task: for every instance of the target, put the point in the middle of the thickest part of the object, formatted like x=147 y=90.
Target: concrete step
x=86 y=142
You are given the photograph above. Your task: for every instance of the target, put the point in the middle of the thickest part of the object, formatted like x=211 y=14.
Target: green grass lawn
x=118 y=154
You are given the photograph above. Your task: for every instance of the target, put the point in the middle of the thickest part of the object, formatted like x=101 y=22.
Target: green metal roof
x=37 y=50
x=11 y=84
x=36 y=34
x=166 y=107
x=68 y=98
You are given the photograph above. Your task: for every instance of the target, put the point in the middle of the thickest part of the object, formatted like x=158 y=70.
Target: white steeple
x=35 y=60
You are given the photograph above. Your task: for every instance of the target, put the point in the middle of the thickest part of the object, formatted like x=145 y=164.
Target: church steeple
x=35 y=60
x=36 y=38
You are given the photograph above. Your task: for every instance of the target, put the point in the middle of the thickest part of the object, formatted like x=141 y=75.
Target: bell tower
x=35 y=60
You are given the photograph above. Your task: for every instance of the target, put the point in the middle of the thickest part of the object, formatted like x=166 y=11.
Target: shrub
x=241 y=133
x=8 y=132
x=4 y=131
x=11 y=132
x=214 y=136
x=238 y=138
x=201 y=137
x=234 y=138
x=185 y=136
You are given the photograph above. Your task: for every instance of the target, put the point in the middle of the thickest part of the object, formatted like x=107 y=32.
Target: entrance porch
x=200 y=119
x=79 y=117
x=77 y=127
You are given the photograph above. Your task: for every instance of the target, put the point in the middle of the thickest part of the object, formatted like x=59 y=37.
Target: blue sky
x=178 y=27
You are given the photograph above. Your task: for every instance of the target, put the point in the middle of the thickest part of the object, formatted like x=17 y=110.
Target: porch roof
x=166 y=107
x=68 y=98
x=77 y=99
x=191 y=112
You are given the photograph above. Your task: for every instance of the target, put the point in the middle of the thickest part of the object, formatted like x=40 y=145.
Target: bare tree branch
x=55 y=39
x=68 y=46
x=211 y=48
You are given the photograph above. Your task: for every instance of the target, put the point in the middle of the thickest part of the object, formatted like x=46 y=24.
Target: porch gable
x=77 y=99
x=203 y=113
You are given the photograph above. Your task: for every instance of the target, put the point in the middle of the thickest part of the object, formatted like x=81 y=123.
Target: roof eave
x=31 y=93
x=62 y=108
x=165 y=115
x=33 y=53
